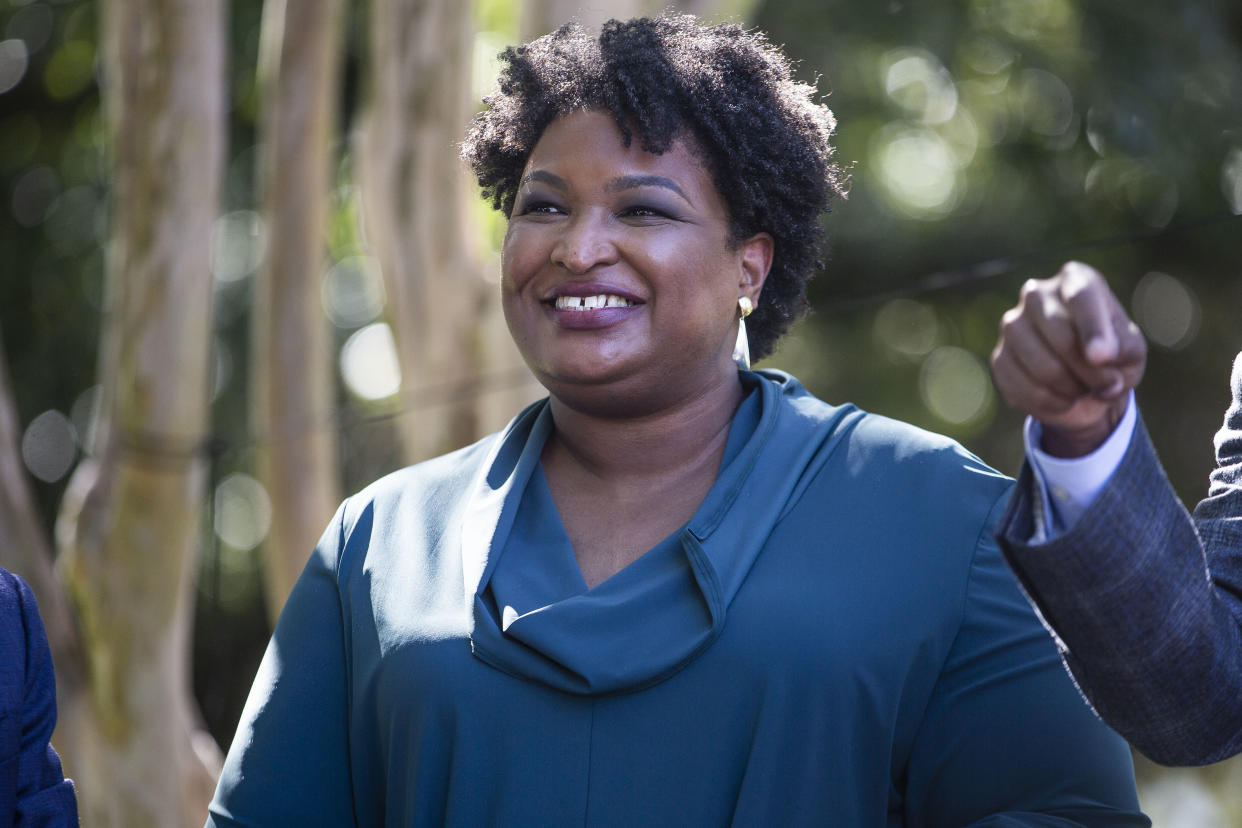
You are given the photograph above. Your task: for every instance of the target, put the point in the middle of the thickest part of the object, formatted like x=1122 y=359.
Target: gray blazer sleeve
x=1146 y=601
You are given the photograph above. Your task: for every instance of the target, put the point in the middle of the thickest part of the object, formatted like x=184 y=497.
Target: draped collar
x=656 y=615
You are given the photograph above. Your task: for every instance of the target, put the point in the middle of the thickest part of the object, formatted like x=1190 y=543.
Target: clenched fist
x=1068 y=356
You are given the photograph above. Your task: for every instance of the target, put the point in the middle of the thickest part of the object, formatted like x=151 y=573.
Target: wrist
x=1072 y=441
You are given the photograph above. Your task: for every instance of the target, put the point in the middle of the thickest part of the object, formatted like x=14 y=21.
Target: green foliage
x=498 y=16
x=990 y=140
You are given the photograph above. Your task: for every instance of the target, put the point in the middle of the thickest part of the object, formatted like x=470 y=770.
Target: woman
x=673 y=592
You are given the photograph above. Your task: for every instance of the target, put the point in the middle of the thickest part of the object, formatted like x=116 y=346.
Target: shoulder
x=430 y=484
x=891 y=443
x=912 y=507
x=409 y=508
x=927 y=480
x=436 y=484
x=10 y=591
x=911 y=496
x=12 y=625
x=18 y=610
x=874 y=446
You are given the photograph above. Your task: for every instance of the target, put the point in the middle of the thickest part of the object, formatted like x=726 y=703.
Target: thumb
x=1101 y=345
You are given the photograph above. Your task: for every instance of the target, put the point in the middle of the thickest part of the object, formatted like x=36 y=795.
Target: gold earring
x=741 y=348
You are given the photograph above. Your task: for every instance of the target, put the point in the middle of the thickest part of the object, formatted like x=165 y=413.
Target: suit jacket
x=1146 y=599
x=33 y=791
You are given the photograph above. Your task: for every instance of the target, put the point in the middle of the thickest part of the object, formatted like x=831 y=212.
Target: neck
x=675 y=439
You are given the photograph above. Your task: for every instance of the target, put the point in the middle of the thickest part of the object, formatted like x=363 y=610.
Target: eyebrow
x=546 y=177
x=630 y=182
x=616 y=185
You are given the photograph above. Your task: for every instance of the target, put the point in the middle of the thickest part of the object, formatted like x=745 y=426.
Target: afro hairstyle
x=761 y=134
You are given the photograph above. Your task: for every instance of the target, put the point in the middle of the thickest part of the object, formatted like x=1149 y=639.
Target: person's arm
x=44 y=796
x=1154 y=641
x=1153 y=645
x=1006 y=739
x=1219 y=516
x=289 y=761
x=1067 y=486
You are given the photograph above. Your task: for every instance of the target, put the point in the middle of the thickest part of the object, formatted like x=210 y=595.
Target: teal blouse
x=832 y=639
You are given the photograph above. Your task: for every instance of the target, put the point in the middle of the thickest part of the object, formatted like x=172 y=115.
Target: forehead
x=589 y=144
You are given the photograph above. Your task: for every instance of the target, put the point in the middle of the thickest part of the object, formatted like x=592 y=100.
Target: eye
x=644 y=212
x=540 y=208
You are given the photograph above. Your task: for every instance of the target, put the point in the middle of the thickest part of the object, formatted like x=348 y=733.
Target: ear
x=754 y=262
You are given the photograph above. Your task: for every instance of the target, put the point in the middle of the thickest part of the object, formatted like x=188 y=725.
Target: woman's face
x=619 y=281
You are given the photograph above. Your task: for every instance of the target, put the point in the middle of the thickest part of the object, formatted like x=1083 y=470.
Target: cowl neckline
x=653 y=617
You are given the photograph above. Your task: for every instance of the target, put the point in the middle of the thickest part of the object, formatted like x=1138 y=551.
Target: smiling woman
x=673 y=592
x=595 y=219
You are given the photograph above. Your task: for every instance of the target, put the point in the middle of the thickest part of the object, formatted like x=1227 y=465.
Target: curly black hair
x=762 y=136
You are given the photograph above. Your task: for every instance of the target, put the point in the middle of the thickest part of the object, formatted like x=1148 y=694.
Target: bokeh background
x=987 y=141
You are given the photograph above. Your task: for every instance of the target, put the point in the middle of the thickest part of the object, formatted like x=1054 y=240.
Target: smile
x=583 y=303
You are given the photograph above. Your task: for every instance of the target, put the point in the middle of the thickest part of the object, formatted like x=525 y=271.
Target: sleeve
x=1006 y=739
x=1068 y=486
x=289 y=760
x=44 y=796
x=1154 y=641
x=1218 y=518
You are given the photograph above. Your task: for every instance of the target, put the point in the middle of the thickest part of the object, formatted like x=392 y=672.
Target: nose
x=585 y=242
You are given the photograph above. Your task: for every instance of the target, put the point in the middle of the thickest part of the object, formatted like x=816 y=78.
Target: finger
x=1024 y=392
x=1132 y=359
x=1041 y=309
x=1076 y=417
x=1091 y=310
x=1038 y=362
x=1132 y=345
x=1050 y=317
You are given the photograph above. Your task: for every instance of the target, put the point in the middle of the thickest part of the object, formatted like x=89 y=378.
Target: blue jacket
x=832 y=639
x=33 y=791
x=1146 y=600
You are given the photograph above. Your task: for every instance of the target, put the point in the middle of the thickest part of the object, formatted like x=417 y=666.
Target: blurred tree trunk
x=293 y=379
x=460 y=375
x=130 y=521
x=543 y=16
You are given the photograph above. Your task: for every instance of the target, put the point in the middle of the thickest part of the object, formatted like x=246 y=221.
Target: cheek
x=518 y=260
x=714 y=286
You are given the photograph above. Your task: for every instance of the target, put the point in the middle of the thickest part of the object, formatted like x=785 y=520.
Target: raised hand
x=1068 y=356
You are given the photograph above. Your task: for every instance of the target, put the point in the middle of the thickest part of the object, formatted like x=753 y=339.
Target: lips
x=582 y=306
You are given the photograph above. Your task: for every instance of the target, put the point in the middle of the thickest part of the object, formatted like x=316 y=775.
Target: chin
x=582 y=367
x=614 y=392
x=622 y=396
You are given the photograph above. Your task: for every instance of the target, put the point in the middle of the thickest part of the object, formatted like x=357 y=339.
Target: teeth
x=575 y=303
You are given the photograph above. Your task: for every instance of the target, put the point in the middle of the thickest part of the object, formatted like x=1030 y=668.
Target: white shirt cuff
x=1068 y=487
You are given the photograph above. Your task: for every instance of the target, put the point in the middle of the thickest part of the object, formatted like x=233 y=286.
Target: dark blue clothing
x=33 y=790
x=1147 y=599
x=832 y=639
